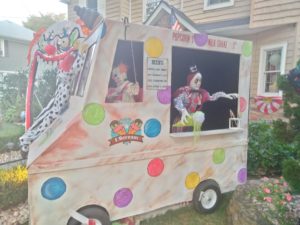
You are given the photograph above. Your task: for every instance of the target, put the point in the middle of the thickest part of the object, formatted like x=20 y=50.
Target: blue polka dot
x=53 y=188
x=152 y=128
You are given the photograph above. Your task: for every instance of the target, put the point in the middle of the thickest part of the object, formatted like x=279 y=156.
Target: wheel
x=206 y=196
x=92 y=212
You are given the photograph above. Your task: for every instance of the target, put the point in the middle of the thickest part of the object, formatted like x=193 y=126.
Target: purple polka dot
x=164 y=96
x=242 y=175
x=200 y=39
x=123 y=197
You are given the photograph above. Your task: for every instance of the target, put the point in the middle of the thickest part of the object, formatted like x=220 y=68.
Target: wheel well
x=86 y=207
x=211 y=181
x=93 y=206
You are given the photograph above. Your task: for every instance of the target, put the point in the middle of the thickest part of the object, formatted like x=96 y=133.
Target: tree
x=290 y=131
x=12 y=95
x=290 y=85
x=43 y=20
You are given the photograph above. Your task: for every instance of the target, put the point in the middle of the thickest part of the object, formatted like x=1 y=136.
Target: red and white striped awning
x=268 y=104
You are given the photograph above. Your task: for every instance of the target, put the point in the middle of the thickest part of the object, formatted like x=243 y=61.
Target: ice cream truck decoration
x=141 y=118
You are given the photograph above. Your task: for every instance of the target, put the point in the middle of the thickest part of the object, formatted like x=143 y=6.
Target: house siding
x=297 y=43
x=136 y=11
x=195 y=11
x=113 y=9
x=16 y=56
x=274 y=12
x=125 y=8
x=284 y=34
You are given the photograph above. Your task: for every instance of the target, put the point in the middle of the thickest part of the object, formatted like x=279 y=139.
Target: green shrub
x=10 y=133
x=13 y=187
x=291 y=172
x=266 y=152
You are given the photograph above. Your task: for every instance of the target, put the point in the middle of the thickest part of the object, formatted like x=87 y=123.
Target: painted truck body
x=80 y=161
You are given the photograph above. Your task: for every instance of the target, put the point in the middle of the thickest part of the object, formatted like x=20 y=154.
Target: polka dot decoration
x=192 y=180
x=200 y=39
x=93 y=114
x=242 y=175
x=243 y=104
x=123 y=197
x=164 y=96
x=247 y=48
x=152 y=128
x=155 y=167
x=154 y=47
x=53 y=188
x=218 y=155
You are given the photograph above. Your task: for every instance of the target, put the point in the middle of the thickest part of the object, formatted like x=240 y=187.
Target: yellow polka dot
x=192 y=180
x=154 y=47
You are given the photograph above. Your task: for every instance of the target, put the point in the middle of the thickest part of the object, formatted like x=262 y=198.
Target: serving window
x=126 y=78
x=204 y=90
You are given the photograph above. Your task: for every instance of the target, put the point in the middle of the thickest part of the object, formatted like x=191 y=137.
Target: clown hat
x=191 y=75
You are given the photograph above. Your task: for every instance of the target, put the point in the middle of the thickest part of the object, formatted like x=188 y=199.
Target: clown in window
x=122 y=90
x=189 y=100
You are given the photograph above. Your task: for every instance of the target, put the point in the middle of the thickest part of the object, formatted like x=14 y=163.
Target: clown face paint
x=195 y=83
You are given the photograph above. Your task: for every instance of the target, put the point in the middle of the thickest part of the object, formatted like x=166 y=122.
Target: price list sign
x=157 y=74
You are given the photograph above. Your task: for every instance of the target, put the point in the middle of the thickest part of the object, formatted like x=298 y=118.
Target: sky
x=18 y=10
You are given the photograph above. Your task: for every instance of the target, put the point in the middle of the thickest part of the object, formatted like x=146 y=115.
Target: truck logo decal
x=125 y=131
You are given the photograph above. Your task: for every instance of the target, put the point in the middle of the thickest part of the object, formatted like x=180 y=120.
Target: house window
x=92 y=4
x=272 y=64
x=215 y=4
x=149 y=7
x=2 y=48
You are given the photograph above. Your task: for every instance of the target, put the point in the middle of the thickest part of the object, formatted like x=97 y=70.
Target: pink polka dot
x=155 y=167
x=243 y=104
x=164 y=96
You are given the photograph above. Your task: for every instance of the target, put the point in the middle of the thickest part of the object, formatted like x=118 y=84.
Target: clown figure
x=189 y=99
x=124 y=90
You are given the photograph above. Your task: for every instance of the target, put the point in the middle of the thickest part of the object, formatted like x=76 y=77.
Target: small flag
x=174 y=24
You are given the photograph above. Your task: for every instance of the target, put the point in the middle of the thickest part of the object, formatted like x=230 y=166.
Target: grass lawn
x=188 y=216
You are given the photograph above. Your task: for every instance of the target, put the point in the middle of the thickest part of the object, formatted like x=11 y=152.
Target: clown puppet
x=123 y=90
x=189 y=100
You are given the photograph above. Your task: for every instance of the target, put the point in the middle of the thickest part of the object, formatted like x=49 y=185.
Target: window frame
x=2 y=45
x=262 y=65
x=145 y=9
x=217 y=5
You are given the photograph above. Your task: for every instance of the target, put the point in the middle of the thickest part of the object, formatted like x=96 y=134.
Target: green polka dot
x=219 y=156
x=93 y=114
x=247 y=48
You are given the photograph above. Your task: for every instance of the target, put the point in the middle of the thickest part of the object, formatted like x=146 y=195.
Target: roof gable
x=10 y=30
x=163 y=10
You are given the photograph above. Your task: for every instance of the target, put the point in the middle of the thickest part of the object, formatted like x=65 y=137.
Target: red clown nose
x=50 y=49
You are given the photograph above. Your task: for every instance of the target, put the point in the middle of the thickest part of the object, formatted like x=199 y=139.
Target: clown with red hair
x=124 y=90
x=189 y=99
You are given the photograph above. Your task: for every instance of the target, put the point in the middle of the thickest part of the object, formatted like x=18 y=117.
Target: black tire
x=92 y=212
x=207 y=196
